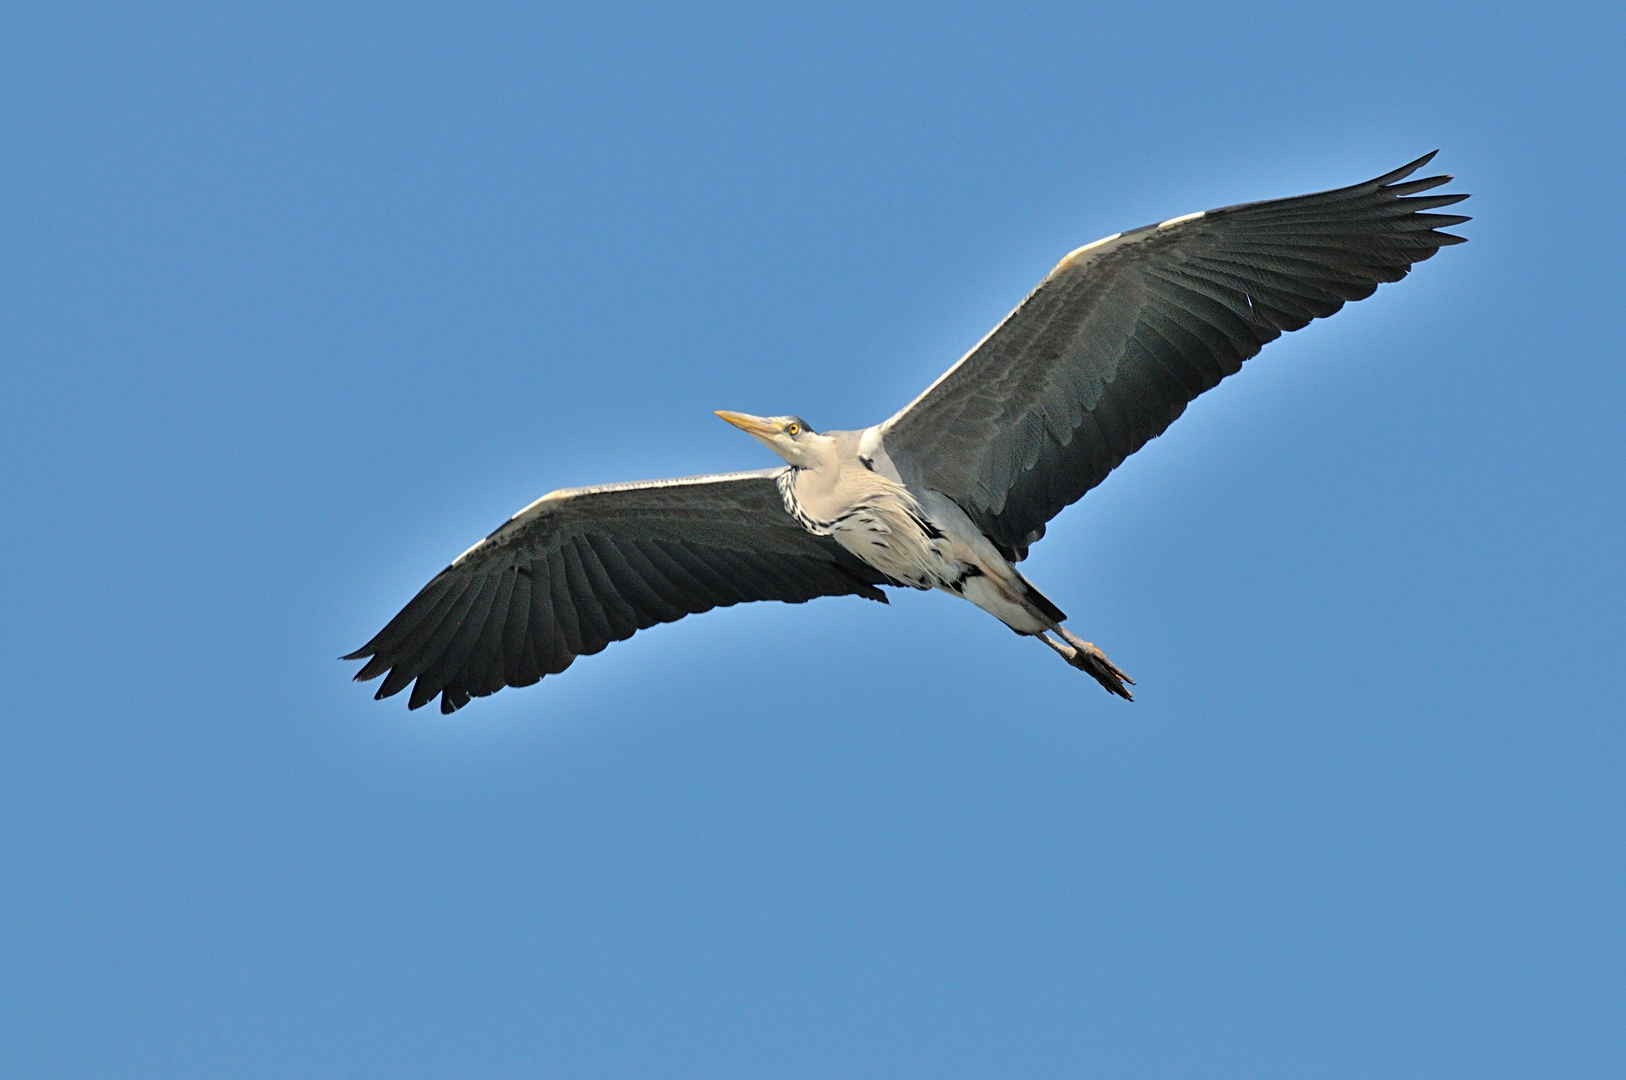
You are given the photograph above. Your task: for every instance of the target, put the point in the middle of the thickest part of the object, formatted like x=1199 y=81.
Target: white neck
x=814 y=454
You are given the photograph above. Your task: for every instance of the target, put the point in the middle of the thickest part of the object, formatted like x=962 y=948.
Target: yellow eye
x=794 y=429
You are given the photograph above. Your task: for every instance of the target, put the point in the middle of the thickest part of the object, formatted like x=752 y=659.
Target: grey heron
x=948 y=493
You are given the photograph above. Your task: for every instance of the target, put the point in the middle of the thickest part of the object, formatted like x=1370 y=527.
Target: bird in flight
x=950 y=492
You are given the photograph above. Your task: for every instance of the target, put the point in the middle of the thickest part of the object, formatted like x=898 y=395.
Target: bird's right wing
x=583 y=567
x=1110 y=347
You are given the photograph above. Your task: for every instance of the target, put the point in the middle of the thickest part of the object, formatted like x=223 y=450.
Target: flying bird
x=951 y=491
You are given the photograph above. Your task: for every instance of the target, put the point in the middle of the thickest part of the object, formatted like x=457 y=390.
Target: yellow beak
x=752 y=425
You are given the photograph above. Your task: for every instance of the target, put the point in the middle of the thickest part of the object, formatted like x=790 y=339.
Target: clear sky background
x=298 y=301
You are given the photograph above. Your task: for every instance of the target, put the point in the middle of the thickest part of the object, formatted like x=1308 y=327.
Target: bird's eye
x=794 y=429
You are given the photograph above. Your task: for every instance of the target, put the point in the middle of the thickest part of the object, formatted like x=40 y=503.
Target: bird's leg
x=1087 y=658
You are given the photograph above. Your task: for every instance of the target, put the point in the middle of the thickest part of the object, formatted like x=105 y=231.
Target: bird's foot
x=1087 y=658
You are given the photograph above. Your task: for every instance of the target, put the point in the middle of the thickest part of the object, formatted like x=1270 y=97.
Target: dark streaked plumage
x=949 y=493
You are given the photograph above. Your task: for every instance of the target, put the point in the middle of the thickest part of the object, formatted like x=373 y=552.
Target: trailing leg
x=1087 y=658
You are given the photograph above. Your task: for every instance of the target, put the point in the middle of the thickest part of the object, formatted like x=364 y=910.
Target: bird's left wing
x=583 y=567
x=1110 y=347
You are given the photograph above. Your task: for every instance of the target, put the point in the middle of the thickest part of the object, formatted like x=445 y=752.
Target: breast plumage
x=875 y=518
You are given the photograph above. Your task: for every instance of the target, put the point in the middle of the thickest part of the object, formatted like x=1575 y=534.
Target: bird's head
x=787 y=436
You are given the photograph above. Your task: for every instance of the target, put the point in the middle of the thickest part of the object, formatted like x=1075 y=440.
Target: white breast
x=876 y=519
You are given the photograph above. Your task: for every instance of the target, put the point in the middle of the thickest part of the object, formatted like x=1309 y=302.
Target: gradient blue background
x=300 y=300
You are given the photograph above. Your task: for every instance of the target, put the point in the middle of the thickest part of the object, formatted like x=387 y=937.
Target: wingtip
x=1405 y=171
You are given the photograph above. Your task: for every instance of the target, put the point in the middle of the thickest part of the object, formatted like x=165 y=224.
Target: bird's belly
x=987 y=594
x=900 y=550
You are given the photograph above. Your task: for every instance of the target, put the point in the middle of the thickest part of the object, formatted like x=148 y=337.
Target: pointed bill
x=752 y=425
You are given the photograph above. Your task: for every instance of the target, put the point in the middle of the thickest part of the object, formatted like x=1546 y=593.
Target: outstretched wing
x=1110 y=347
x=583 y=567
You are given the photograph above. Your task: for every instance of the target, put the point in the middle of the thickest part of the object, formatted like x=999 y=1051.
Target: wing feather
x=488 y=646
x=518 y=667
x=567 y=616
x=465 y=632
x=442 y=636
x=591 y=617
x=666 y=602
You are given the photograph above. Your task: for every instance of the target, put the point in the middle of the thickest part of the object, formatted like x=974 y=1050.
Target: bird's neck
x=810 y=486
x=817 y=461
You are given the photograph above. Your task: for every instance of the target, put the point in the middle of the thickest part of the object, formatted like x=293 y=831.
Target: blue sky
x=297 y=301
